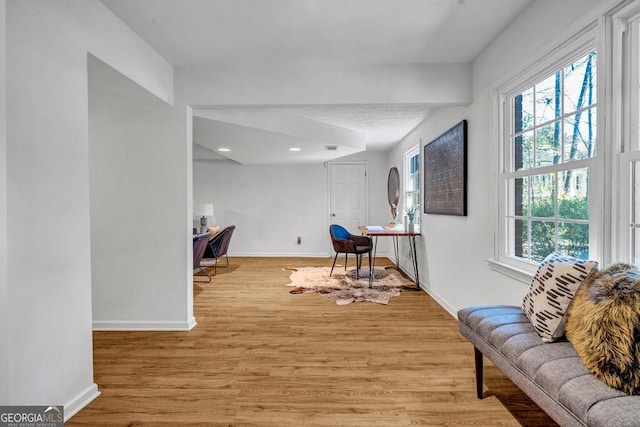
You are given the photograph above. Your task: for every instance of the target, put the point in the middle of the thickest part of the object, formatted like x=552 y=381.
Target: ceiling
x=240 y=34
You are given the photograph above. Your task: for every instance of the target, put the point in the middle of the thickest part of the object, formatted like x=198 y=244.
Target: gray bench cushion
x=552 y=374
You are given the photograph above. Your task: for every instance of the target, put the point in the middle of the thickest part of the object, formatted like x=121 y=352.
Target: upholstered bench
x=551 y=374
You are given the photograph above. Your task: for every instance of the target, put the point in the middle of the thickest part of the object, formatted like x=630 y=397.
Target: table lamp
x=204 y=210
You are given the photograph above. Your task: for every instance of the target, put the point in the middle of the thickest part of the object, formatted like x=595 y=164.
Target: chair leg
x=358 y=263
x=226 y=257
x=215 y=266
x=345 y=261
x=205 y=272
x=334 y=263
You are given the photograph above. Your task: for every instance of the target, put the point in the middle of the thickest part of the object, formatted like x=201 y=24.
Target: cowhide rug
x=344 y=288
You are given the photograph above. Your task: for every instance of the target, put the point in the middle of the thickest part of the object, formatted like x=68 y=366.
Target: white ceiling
x=205 y=34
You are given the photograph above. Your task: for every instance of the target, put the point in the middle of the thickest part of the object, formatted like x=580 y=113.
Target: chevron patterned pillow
x=552 y=289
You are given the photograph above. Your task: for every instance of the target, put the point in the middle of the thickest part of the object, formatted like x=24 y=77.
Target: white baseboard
x=80 y=401
x=279 y=254
x=143 y=325
x=408 y=270
x=443 y=303
x=380 y=254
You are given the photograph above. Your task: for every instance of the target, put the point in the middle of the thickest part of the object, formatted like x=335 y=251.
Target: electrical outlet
x=299 y=240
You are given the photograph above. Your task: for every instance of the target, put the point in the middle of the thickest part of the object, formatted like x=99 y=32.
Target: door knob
x=333 y=214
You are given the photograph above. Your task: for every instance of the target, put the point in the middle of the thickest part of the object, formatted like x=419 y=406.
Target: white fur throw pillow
x=554 y=284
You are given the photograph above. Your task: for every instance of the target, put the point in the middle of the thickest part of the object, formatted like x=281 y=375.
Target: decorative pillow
x=213 y=231
x=603 y=324
x=553 y=286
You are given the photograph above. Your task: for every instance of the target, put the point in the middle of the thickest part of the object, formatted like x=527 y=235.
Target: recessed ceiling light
x=294 y=149
x=224 y=149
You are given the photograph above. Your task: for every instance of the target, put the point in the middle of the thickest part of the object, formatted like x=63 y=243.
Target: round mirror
x=393 y=191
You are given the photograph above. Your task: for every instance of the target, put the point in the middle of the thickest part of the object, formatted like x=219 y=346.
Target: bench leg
x=479 y=373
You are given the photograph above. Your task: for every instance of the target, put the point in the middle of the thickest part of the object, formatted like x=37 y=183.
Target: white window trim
x=626 y=125
x=585 y=40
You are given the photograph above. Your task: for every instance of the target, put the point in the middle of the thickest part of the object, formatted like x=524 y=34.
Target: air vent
x=331 y=148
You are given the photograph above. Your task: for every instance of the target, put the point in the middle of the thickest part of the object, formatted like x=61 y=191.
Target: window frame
x=585 y=41
x=408 y=156
x=626 y=151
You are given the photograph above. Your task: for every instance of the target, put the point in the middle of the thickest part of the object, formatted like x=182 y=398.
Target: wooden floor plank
x=261 y=356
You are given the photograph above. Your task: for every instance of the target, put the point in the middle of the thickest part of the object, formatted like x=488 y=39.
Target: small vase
x=411 y=228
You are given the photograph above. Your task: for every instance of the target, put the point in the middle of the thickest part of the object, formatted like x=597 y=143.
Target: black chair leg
x=358 y=262
x=345 y=261
x=334 y=263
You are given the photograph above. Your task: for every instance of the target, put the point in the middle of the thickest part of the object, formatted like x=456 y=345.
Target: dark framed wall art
x=445 y=172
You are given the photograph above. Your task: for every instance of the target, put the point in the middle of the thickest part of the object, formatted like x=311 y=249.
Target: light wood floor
x=261 y=356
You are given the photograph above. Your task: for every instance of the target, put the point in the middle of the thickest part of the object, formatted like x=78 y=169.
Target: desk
x=376 y=232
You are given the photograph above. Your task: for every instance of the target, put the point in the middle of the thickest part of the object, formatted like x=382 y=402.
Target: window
x=549 y=149
x=569 y=157
x=412 y=181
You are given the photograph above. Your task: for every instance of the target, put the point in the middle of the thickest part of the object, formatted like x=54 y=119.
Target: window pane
x=635 y=195
x=579 y=83
x=521 y=197
x=635 y=245
x=573 y=202
x=580 y=134
x=413 y=182
x=543 y=237
x=548 y=145
x=519 y=235
x=413 y=199
x=523 y=108
x=547 y=99
x=573 y=239
x=543 y=191
x=635 y=212
x=523 y=151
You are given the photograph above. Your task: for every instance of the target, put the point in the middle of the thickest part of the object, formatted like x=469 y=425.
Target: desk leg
x=395 y=248
x=372 y=264
x=412 y=244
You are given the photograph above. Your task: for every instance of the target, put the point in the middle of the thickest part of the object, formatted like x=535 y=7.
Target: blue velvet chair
x=347 y=243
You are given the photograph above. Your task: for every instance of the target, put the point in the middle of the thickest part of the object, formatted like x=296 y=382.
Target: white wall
x=48 y=239
x=272 y=205
x=322 y=84
x=453 y=251
x=4 y=286
x=135 y=267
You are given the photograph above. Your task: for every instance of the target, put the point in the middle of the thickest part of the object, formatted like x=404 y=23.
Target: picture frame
x=445 y=172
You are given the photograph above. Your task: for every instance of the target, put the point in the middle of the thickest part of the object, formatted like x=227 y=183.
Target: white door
x=348 y=198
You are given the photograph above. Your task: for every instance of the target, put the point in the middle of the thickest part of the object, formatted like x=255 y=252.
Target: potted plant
x=411 y=212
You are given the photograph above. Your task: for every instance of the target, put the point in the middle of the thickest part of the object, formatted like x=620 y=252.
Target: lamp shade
x=205 y=209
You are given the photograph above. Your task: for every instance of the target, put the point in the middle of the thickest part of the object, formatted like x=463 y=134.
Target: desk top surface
x=376 y=230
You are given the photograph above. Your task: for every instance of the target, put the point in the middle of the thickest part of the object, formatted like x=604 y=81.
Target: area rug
x=344 y=288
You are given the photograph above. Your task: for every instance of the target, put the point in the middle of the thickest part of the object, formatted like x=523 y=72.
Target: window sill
x=510 y=271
